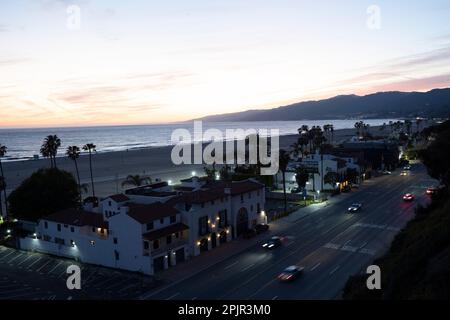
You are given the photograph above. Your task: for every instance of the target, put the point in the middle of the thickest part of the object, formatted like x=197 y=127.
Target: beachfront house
x=155 y=227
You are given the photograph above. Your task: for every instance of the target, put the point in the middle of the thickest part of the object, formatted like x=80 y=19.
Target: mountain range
x=382 y=105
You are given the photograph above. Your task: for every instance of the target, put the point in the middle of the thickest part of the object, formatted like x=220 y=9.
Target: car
x=386 y=172
x=407 y=168
x=404 y=173
x=409 y=197
x=431 y=190
x=354 y=207
x=296 y=190
x=346 y=189
x=290 y=273
x=273 y=243
x=260 y=228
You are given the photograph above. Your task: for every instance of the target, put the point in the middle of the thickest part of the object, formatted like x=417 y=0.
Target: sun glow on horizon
x=148 y=62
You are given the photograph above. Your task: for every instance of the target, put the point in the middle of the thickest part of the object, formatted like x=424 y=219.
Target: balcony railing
x=165 y=248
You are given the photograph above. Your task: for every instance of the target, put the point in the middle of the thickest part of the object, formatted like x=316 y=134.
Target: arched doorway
x=203 y=245
x=213 y=240
x=223 y=237
x=241 y=221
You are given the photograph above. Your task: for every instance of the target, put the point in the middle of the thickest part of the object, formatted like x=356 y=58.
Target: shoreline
x=110 y=168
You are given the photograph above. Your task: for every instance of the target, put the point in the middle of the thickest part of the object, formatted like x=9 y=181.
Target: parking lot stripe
x=55 y=267
x=41 y=267
x=14 y=258
x=27 y=258
x=7 y=255
x=39 y=258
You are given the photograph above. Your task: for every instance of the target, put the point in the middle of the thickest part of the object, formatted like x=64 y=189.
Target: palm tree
x=136 y=180
x=283 y=163
x=49 y=148
x=90 y=147
x=3 y=151
x=73 y=152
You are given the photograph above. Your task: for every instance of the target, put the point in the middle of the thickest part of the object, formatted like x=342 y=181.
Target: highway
x=330 y=244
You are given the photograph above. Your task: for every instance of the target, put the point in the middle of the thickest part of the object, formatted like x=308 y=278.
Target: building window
x=109 y=203
x=72 y=229
x=249 y=195
x=116 y=255
x=150 y=226
x=161 y=220
x=72 y=243
x=66 y=226
x=115 y=240
x=203 y=226
x=169 y=239
x=173 y=219
x=92 y=242
x=155 y=244
x=59 y=227
x=45 y=225
x=146 y=245
x=242 y=198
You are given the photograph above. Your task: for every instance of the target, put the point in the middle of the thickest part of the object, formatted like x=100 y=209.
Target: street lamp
x=193 y=173
x=169 y=182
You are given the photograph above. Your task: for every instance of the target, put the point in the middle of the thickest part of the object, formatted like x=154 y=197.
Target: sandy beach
x=111 y=168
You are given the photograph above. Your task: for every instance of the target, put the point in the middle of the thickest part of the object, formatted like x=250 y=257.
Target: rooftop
x=145 y=213
x=78 y=218
x=154 y=235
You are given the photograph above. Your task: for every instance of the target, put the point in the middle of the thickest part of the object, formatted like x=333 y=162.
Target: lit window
x=92 y=242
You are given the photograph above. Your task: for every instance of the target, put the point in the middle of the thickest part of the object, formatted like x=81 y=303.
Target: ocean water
x=25 y=143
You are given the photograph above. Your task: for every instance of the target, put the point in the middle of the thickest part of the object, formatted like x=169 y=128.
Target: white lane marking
x=334 y=270
x=39 y=258
x=315 y=267
x=349 y=248
x=126 y=288
x=7 y=255
x=30 y=256
x=229 y=266
x=367 y=251
x=12 y=259
x=194 y=298
x=45 y=264
x=173 y=296
x=54 y=268
x=248 y=267
x=275 y=298
x=330 y=245
x=363 y=245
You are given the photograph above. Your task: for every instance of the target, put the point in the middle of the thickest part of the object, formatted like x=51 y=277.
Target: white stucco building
x=154 y=227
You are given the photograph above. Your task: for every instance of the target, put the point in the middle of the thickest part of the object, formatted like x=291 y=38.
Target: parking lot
x=35 y=276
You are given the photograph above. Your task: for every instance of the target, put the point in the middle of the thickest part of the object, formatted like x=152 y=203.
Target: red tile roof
x=154 y=235
x=78 y=218
x=145 y=213
x=119 y=198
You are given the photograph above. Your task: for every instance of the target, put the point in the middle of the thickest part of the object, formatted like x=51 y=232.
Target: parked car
x=386 y=172
x=272 y=243
x=290 y=273
x=407 y=168
x=404 y=173
x=408 y=197
x=260 y=228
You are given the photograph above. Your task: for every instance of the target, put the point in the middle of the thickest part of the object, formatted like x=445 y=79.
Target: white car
x=354 y=207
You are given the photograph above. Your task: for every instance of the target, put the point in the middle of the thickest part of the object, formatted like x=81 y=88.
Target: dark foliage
x=44 y=192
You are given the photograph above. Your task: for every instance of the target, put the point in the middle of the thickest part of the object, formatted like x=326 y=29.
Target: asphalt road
x=330 y=244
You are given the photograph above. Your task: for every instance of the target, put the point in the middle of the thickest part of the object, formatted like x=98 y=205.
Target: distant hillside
x=434 y=103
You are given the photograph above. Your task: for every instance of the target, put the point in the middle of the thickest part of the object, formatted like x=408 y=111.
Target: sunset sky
x=137 y=62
